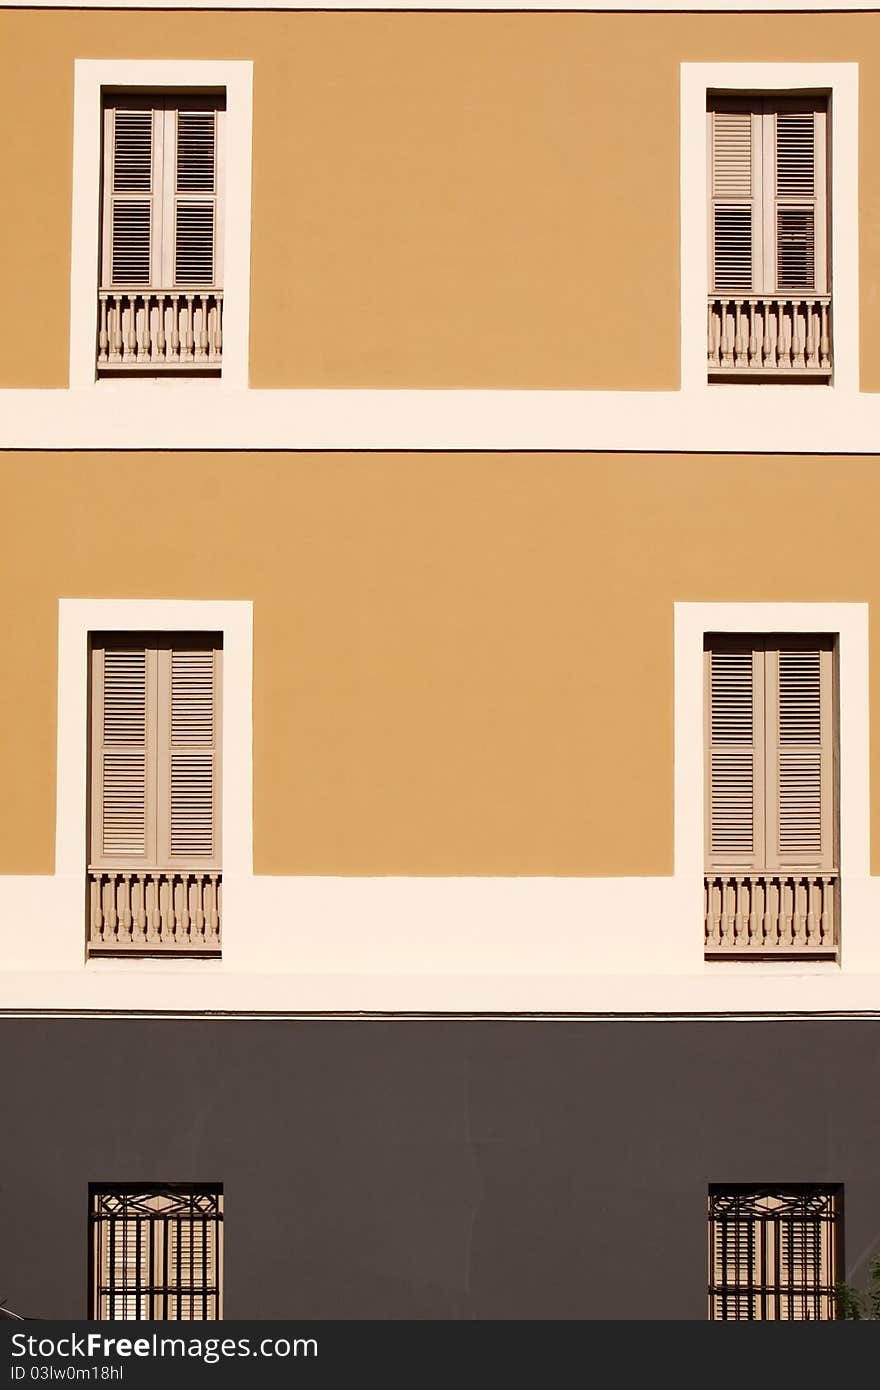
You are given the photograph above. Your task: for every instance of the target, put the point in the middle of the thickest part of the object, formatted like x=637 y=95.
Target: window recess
x=156 y=1253
x=160 y=300
x=773 y=1253
x=154 y=871
x=769 y=306
x=771 y=886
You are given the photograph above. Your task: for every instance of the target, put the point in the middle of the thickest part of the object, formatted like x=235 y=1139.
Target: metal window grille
x=773 y=1253
x=156 y=1253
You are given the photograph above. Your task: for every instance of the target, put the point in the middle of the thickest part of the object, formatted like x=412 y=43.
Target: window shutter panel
x=130 y=186
x=125 y=1267
x=800 y=754
x=121 y=746
x=192 y=1268
x=195 y=197
x=734 y=754
x=736 y=187
x=796 y=186
x=189 y=718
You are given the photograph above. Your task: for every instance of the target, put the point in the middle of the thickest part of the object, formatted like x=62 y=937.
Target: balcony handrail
x=148 y=291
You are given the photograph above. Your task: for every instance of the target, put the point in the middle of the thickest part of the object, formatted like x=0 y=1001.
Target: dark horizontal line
x=404 y=1016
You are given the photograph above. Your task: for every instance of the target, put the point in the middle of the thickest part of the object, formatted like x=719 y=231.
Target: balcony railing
x=756 y=335
x=160 y=330
x=787 y=914
x=142 y=911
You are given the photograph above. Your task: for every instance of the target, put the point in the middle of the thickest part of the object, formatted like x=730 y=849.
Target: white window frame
x=841 y=81
x=77 y=618
x=91 y=76
x=849 y=623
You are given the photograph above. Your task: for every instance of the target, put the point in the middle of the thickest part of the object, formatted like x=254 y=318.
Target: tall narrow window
x=156 y=1253
x=155 y=852
x=161 y=292
x=773 y=1253
x=770 y=293
x=771 y=834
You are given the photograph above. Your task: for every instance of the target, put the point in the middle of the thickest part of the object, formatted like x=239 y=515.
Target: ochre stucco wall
x=463 y=664
x=439 y=200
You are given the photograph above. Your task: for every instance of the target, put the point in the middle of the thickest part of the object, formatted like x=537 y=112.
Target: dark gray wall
x=419 y=1169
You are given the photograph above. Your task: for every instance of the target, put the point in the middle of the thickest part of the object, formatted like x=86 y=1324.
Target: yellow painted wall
x=440 y=200
x=463 y=663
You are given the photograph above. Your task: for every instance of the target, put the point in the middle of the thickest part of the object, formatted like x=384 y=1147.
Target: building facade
x=440 y=842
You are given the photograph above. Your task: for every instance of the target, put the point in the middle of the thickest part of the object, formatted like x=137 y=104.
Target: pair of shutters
x=162 y=205
x=155 y=751
x=772 y=1257
x=769 y=195
x=158 y=1262
x=770 y=753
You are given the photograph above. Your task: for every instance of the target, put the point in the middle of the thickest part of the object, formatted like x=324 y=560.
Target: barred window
x=156 y=1252
x=773 y=1253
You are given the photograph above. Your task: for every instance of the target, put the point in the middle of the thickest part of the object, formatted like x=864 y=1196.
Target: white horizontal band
x=659 y=6
x=207 y=415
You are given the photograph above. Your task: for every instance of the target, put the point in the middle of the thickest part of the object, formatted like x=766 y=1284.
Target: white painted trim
x=164 y=415
x=76 y=619
x=90 y=75
x=537 y=6
x=860 y=942
x=842 y=80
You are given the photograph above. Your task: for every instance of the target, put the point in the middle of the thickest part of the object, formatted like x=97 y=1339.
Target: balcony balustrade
x=757 y=335
x=142 y=911
x=785 y=914
x=160 y=330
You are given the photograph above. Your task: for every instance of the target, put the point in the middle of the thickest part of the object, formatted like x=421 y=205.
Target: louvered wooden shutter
x=126 y=1267
x=122 y=755
x=800 y=754
x=736 y=181
x=734 y=1266
x=797 y=199
x=734 y=754
x=195 y=197
x=132 y=193
x=189 y=740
